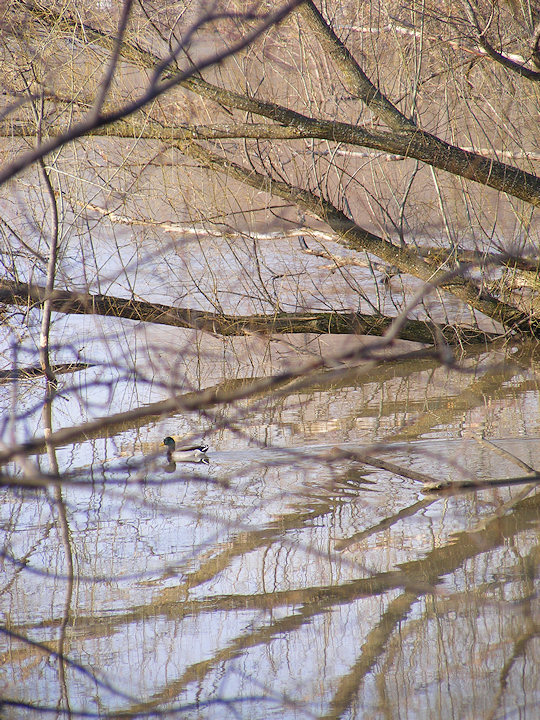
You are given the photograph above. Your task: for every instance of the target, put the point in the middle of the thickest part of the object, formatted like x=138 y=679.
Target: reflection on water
x=284 y=579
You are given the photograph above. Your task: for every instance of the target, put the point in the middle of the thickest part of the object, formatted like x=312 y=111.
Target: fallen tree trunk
x=75 y=302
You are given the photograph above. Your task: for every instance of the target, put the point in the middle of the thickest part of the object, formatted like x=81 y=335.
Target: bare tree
x=253 y=177
x=307 y=158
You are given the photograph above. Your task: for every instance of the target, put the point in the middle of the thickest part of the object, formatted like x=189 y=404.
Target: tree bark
x=72 y=302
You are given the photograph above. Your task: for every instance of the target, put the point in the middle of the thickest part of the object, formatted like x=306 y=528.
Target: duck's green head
x=169 y=443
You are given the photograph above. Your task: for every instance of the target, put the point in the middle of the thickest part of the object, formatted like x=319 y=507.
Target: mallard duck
x=186 y=453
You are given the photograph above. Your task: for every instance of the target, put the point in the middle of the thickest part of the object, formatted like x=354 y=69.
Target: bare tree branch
x=71 y=302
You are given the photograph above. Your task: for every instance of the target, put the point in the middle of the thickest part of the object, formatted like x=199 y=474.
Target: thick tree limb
x=350 y=71
x=416 y=144
x=71 y=302
x=420 y=145
x=357 y=238
x=352 y=235
x=503 y=60
x=406 y=139
x=157 y=86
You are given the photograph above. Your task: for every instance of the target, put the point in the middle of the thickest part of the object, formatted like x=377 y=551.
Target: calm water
x=282 y=579
x=285 y=578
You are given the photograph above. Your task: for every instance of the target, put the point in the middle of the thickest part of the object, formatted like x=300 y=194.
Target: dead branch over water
x=404 y=136
x=72 y=302
x=181 y=149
